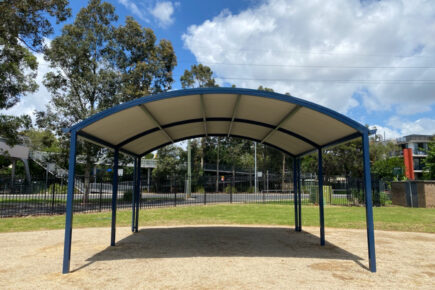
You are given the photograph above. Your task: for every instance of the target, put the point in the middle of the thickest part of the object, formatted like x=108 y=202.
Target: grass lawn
x=386 y=218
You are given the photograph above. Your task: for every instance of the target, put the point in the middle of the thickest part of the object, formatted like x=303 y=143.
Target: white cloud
x=163 y=12
x=425 y=126
x=130 y=5
x=294 y=41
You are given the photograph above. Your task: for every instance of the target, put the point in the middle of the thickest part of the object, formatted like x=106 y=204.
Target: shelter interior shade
x=254 y=117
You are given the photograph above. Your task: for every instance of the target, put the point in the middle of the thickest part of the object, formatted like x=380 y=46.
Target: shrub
x=229 y=187
x=199 y=189
x=358 y=196
x=250 y=189
x=128 y=195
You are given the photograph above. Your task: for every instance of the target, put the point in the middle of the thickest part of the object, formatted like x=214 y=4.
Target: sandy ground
x=216 y=257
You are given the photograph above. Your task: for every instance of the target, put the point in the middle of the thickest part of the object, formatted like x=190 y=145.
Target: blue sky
x=373 y=61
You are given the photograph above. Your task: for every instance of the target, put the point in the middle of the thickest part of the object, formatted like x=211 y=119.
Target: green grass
x=386 y=218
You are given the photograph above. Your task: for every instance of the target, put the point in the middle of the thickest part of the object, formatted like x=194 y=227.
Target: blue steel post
x=69 y=203
x=139 y=193
x=321 y=209
x=299 y=196
x=114 y=196
x=295 y=191
x=133 y=198
x=369 y=203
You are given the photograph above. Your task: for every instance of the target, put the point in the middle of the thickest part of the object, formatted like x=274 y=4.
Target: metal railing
x=47 y=197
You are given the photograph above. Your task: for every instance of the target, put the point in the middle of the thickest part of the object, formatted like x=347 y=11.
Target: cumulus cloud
x=341 y=53
x=135 y=10
x=163 y=12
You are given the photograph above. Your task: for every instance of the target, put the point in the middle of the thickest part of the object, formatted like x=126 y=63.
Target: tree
x=199 y=76
x=430 y=162
x=83 y=81
x=23 y=26
x=167 y=165
x=98 y=66
x=385 y=168
x=146 y=67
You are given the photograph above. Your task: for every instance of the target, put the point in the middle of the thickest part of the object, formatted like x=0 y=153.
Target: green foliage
x=11 y=125
x=199 y=76
x=384 y=168
x=42 y=140
x=430 y=162
x=128 y=195
x=58 y=189
x=358 y=196
x=23 y=26
x=230 y=189
x=146 y=67
x=199 y=189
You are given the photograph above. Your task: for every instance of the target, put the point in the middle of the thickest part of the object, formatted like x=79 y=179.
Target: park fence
x=48 y=196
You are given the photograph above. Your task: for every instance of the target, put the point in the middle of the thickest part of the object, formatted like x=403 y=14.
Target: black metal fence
x=48 y=196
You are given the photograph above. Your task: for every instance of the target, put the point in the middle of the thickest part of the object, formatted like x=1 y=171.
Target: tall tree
x=199 y=76
x=83 y=81
x=146 y=67
x=23 y=26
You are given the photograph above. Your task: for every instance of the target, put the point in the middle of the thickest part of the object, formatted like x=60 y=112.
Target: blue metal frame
x=321 y=208
x=133 y=199
x=138 y=195
x=369 y=203
x=76 y=131
x=69 y=203
x=295 y=192
x=104 y=143
x=114 y=196
x=299 y=195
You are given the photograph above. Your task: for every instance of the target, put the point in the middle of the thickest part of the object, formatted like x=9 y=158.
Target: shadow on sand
x=220 y=241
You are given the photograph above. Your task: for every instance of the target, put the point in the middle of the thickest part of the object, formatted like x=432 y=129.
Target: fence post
x=101 y=192
x=231 y=190
x=52 y=198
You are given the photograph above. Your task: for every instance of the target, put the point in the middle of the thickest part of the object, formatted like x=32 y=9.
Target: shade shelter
x=294 y=126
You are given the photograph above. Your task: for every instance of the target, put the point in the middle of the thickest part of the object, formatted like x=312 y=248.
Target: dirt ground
x=216 y=257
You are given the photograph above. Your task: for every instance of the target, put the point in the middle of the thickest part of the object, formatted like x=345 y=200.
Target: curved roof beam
x=204 y=118
x=148 y=113
x=216 y=135
x=142 y=134
x=287 y=117
x=236 y=106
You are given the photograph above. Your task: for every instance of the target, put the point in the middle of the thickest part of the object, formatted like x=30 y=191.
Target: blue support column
x=299 y=195
x=133 y=198
x=69 y=203
x=139 y=194
x=369 y=203
x=114 y=196
x=321 y=208
x=295 y=193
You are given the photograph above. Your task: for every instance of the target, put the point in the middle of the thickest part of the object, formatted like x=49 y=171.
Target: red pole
x=409 y=163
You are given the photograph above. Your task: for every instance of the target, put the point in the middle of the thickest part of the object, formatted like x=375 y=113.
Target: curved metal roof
x=292 y=125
